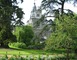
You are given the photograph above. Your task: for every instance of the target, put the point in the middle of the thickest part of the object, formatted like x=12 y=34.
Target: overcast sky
x=27 y=6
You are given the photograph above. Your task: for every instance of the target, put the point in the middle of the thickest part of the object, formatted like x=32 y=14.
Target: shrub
x=18 y=45
x=36 y=46
x=31 y=57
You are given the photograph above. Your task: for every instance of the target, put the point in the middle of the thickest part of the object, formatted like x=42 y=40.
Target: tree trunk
x=68 y=58
x=62 y=7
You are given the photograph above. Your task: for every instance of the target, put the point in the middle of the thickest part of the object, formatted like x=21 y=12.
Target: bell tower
x=35 y=14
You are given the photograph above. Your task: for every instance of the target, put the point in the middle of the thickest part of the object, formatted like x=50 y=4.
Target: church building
x=35 y=16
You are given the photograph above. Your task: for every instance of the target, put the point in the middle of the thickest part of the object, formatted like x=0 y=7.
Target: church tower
x=35 y=14
x=38 y=28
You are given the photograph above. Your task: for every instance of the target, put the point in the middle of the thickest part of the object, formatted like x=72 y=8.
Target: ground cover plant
x=34 y=57
x=15 y=51
x=26 y=54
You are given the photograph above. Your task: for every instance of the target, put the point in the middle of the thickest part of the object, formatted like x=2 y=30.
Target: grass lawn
x=25 y=52
x=30 y=53
x=12 y=51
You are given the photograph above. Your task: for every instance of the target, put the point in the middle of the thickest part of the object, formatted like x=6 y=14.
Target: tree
x=56 y=6
x=10 y=16
x=64 y=35
x=24 y=34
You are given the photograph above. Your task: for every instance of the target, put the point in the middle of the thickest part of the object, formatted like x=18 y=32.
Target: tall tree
x=55 y=5
x=64 y=35
x=10 y=15
x=24 y=34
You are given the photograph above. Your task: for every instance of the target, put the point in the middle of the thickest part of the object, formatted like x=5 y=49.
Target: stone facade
x=39 y=30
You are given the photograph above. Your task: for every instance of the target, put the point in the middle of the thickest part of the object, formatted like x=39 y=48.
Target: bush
x=31 y=57
x=18 y=45
x=37 y=46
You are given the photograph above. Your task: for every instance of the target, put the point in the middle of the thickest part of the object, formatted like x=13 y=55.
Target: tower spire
x=34 y=1
x=34 y=7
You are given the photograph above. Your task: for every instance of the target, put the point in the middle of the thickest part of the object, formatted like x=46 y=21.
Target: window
x=38 y=15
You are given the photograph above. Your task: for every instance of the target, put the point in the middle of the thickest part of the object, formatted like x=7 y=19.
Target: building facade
x=41 y=29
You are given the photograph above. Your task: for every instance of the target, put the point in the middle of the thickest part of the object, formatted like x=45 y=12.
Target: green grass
x=16 y=51
x=13 y=51
x=25 y=52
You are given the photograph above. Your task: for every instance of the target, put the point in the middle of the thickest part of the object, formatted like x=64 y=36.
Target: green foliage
x=17 y=31
x=10 y=15
x=34 y=57
x=65 y=33
x=50 y=5
x=5 y=37
x=24 y=34
x=36 y=46
x=31 y=57
x=18 y=45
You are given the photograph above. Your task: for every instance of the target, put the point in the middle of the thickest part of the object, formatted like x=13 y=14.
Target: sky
x=27 y=6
